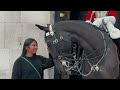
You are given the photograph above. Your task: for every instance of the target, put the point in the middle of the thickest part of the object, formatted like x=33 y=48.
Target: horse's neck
x=87 y=39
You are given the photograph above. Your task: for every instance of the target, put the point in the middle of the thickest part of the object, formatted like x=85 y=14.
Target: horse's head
x=97 y=55
x=58 y=42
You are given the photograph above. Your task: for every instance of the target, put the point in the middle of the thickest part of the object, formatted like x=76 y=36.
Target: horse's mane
x=77 y=24
x=70 y=23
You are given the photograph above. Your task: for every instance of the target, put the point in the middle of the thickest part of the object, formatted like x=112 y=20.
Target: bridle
x=63 y=57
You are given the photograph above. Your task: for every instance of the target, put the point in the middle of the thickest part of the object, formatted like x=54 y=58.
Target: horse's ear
x=43 y=28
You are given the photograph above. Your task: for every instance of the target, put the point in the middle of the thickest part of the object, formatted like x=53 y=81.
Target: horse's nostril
x=48 y=44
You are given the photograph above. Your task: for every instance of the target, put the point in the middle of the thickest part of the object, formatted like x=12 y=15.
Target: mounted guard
x=108 y=18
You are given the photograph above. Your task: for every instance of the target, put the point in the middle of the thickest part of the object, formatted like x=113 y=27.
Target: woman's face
x=32 y=48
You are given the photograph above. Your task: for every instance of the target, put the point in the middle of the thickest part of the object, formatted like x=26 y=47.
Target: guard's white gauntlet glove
x=88 y=21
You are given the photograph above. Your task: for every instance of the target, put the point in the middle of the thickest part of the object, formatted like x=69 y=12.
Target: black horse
x=99 y=59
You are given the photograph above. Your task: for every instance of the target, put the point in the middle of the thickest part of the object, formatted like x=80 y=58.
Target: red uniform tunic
x=89 y=15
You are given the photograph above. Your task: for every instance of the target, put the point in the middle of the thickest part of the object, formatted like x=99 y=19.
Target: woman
x=29 y=65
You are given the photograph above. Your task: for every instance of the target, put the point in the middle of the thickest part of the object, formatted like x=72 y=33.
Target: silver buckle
x=65 y=63
x=55 y=41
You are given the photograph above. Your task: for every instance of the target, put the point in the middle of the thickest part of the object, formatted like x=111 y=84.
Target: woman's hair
x=27 y=43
